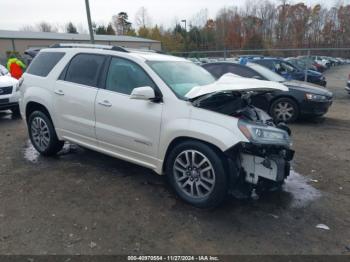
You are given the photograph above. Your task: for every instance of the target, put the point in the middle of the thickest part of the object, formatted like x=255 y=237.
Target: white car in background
x=9 y=93
x=347 y=88
x=158 y=111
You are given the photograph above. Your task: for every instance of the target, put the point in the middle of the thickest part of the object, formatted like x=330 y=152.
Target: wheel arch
x=32 y=106
x=283 y=96
x=182 y=139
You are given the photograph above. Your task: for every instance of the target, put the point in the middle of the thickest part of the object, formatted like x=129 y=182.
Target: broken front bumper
x=256 y=163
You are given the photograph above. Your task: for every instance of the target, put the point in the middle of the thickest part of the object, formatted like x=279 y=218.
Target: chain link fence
x=276 y=52
x=305 y=56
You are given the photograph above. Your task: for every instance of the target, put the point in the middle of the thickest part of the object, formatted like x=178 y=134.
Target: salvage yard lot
x=83 y=202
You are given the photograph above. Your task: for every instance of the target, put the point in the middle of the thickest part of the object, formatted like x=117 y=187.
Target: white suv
x=9 y=93
x=158 y=111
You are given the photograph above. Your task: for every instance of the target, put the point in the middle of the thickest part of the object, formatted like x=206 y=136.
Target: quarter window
x=124 y=75
x=85 y=69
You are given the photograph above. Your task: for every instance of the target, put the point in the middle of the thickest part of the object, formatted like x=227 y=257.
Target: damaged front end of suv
x=263 y=161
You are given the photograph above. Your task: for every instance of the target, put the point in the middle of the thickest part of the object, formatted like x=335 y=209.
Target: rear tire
x=284 y=110
x=43 y=135
x=196 y=172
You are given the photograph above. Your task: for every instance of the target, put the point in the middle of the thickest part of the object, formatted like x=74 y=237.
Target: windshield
x=267 y=73
x=181 y=76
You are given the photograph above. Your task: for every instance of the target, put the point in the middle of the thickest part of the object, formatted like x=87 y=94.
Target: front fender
x=215 y=134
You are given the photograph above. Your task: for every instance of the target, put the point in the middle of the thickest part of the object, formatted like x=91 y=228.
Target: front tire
x=43 y=135
x=197 y=174
x=284 y=110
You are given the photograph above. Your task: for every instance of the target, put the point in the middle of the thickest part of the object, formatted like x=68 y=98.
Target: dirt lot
x=83 y=202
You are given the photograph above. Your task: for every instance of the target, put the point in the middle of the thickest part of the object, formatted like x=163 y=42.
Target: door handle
x=105 y=103
x=59 y=92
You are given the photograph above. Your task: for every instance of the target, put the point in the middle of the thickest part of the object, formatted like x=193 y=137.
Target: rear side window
x=266 y=63
x=85 y=69
x=242 y=71
x=215 y=70
x=44 y=62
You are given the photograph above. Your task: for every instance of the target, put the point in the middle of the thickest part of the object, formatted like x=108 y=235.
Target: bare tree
x=46 y=27
x=200 y=18
x=142 y=18
x=28 y=28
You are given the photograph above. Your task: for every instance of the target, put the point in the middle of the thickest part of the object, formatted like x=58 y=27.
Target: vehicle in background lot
x=302 y=64
x=29 y=55
x=3 y=71
x=302 y=99
x=289 y=71
x=322 y=61
x=158 y=111
x=8 y=92
x=310 y=61
x=251 y=57
x=347 y=88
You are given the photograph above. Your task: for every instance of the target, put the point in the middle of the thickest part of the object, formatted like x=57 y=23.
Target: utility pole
x=92 y=40
x=185 y=21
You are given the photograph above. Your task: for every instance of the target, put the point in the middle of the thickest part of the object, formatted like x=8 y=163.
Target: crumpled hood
x=231 y=82
x=7 y=81
x=308 y=87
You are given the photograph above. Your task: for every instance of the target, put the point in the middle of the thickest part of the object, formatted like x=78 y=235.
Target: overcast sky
x=15 y=14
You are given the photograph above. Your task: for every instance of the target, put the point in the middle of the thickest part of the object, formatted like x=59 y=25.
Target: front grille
x=4 y=101
x=6 y=90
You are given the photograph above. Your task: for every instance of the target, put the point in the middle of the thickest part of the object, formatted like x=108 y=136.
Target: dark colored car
x=302 y=99
x=29 y=54
x=302 y=64
x=289 y=71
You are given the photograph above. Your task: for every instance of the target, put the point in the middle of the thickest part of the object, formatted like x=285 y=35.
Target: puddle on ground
x=30 y=153
x=33 y=156
x=302 y=192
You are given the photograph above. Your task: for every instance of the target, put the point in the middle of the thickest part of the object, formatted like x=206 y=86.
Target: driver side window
x=124 y=75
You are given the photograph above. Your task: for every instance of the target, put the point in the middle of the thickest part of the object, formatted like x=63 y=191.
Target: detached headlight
x=264 y=134
x=315 y=97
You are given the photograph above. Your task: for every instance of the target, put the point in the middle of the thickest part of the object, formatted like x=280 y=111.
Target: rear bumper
x=313 y=108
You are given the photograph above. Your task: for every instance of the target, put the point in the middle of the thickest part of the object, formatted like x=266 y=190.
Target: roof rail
x=105 y=47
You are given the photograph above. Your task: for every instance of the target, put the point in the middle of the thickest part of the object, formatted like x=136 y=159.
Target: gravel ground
x=82 y=202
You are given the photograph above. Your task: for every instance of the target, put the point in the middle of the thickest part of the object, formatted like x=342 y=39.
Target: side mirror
x=143 y=93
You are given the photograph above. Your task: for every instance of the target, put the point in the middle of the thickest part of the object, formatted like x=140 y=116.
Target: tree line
x=257 y=25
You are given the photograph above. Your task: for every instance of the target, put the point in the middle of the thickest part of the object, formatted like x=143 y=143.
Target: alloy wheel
x=194 y=174
x=284 y=111
x=40 y=133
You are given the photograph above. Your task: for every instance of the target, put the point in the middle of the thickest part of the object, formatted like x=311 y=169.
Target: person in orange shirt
x=15 y=67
